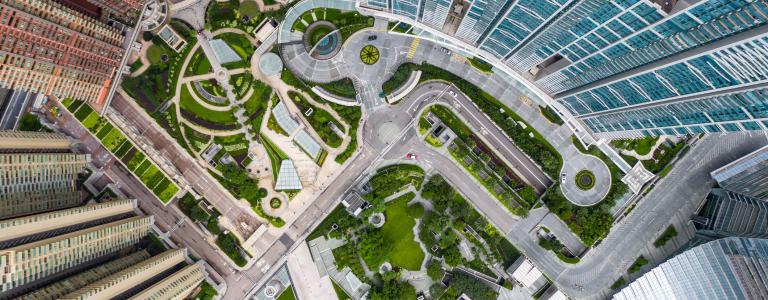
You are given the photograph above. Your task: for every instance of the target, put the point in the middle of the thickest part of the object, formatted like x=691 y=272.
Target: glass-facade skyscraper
x=729 y=268
x=747 y=175
x=626 y=68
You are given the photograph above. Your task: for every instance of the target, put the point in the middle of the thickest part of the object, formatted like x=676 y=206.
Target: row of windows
x=673 y=35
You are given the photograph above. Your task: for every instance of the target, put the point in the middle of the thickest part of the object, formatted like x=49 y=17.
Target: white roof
x=527 y=274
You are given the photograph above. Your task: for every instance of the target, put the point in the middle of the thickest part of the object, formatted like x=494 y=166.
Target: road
x=523 y=166
x=676 y=195
x=169 y=219
x=199 y=179
x=18 y=101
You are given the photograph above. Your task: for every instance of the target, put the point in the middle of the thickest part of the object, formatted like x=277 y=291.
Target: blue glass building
x=434 y=12
x=625 y=68
x=729 y=268
x=479 y=18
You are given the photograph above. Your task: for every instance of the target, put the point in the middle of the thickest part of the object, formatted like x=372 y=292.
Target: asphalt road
x=18 y=101
x=523 y=166
x=676 y=195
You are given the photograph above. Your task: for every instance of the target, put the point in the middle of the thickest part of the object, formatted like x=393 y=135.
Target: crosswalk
x=414 y=46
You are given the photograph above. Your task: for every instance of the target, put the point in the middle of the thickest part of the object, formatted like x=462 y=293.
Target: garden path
x=283 y=88
x=648 y=155
x=251 y=39
x=143 y=57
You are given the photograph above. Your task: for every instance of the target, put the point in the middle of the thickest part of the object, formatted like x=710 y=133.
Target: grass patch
x=155 y=54
x=317 y=33
x=189 y=104
x=276 y=156
x=398 y=232
x=250 y=8
x=480 y=65
x=320 y=120
x=287 y=294
x=585 y=180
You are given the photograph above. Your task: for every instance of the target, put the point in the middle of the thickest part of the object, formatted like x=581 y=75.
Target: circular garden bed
x=275 y=203
x=585 y=180
x=321 y=37
x=369 y=54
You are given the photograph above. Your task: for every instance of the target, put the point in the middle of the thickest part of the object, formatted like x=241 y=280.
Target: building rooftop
x=287 y=177
x=224 y=54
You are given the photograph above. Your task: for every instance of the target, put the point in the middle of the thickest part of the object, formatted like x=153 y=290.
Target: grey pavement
x=394 y=49
x=169 y=220
x=675 y=197
x=602 y=179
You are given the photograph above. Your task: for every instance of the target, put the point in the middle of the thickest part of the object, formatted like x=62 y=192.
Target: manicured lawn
x=155 y=53
x=481 y=65
x=191 y=105
x=199 y=65
x=319 y=120
x=585 y=180
x=276 y=156
x=249 y=8
x=398 y=231
x=240 y=44
x=287 y=294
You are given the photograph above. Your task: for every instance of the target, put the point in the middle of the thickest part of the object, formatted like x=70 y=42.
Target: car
x=453 y=94
x=563 y=178
x=411 y=156
x=372 y=37
x=445 y=50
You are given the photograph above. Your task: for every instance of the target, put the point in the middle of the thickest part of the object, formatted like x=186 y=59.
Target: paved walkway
x=307 y=281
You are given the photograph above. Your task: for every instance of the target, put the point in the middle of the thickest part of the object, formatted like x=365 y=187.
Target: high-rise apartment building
x=729 y=268
x=116 y=285
x=28 y=263
x=89 y=251
x=747 y=175
x=37 y=174
x=64 y=49
x=631 y=67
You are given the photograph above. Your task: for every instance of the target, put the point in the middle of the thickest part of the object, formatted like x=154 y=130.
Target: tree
x=373 y=248
x=392 y=288
x=435 y=269
x=470 y=286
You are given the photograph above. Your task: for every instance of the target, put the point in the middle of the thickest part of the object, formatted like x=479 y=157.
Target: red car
x=411 y=156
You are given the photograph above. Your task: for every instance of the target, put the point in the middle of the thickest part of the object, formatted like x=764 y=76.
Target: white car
x=563 y=178
x=453 y=94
